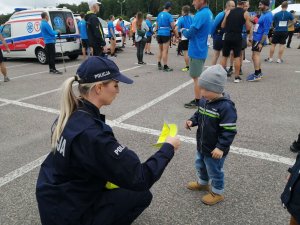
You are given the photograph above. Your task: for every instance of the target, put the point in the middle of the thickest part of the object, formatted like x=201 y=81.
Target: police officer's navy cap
x=98 y=68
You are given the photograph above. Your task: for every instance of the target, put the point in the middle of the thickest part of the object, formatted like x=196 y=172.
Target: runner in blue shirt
x=149 y=35
x=112 y=35
x=198 y=49
x=185 y=21
x=260 y=34
x=49 y=36
x=281 y=22
x=164 y=25
x=83 y=35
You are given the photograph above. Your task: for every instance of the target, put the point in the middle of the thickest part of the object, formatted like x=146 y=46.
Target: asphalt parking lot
x=255 y=170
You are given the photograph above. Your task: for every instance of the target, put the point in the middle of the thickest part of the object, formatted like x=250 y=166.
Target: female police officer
x=71 y=183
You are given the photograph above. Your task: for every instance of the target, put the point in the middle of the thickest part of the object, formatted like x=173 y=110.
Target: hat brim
x=122 y=78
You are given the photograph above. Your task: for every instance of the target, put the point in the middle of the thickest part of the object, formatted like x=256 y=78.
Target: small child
x=216 y=120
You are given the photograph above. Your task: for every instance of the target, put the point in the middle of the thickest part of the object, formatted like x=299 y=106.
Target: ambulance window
x=6 y=31
x=63 y=21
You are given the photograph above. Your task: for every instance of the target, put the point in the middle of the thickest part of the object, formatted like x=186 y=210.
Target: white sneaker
x=237 y=80
x=269 y=60
x=279 y=61
x=246 y=61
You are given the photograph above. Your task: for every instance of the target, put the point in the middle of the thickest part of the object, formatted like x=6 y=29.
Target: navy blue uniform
x=71 y=183
x=291 y=195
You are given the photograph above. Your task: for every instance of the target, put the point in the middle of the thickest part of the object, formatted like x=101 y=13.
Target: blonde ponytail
x=68 y=105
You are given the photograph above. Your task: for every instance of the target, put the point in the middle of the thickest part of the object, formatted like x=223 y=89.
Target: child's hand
x=188 y=124
x=217 y=153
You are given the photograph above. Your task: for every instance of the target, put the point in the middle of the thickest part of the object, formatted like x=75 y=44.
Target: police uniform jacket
x=291 y=195
x=88 y=155
x=216 y=121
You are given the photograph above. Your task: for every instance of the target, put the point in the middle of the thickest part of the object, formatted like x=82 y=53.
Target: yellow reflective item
x=111 y=186
x=167 y=130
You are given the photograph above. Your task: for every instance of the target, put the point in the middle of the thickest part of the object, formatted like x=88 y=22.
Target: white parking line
x=118 y=123
x=21 y=171
x=236 y=150
x=297 y=71
x=153 y=102
x=19 y=65
x=57 y=89
x=30 y=106
x=46 y=71
x=241 y=151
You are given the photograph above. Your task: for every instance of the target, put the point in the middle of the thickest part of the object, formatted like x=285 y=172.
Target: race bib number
x=283 y=23
x=255 y=27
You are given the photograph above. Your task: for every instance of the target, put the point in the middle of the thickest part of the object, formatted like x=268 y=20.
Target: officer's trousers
x=117 y=207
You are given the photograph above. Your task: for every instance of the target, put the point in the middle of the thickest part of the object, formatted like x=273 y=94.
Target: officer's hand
x=175 y=141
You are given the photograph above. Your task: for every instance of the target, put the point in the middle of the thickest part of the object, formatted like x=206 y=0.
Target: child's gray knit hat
x=213 y=79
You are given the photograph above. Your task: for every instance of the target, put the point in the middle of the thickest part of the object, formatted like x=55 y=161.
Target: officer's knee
x=148 y=198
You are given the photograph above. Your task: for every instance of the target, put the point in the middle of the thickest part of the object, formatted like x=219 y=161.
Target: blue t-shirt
x=164 y=20
x=281 y=20
x=263 y=26
x=150 y=32
x=217 y=34
x=244 y=32
x=82 y=29
x=184 y=22
x=48 y=33
x=198 y=33
x=110 y=26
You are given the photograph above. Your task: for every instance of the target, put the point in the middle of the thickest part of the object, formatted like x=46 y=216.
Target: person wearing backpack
x=140 y=37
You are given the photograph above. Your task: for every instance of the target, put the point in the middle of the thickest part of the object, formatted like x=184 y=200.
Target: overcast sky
x=7 y=6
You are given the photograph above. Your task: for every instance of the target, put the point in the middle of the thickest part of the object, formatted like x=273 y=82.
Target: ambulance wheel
x=73 y=57
x=41 y=56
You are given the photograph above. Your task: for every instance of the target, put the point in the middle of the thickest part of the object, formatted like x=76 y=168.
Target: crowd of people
x=89 y=177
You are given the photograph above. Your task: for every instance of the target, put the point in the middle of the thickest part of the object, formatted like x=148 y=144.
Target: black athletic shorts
x=234 y=45
x=162 y=39
x=85 y=43
x=184 y=45
x=149 y=39
x=217 y=44
x=255 y=46
x=279 y=37
x=1 y=56
x=244 y=43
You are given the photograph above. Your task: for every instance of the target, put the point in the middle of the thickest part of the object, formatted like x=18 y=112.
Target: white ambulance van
x=23 y=34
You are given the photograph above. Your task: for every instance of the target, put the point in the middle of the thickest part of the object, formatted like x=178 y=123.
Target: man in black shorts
x=2 y=65
x=233 y=25
x=149 y=35
x=217 y=32
x=281 y=22
x=164 y=25
x=185 y=21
